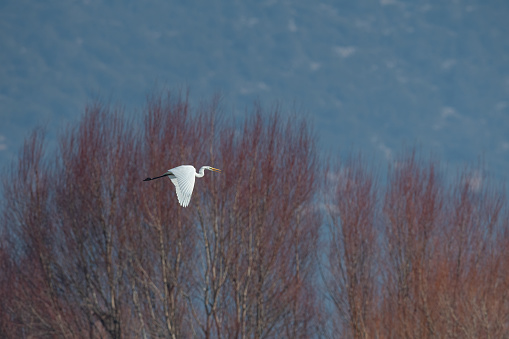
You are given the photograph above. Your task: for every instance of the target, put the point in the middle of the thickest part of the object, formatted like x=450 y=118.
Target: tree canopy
x=276 y=246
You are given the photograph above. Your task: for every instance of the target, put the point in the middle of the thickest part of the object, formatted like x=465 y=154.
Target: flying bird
x=183 y=178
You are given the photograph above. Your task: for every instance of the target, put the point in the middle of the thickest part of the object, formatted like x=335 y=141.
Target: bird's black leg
x=148 y=179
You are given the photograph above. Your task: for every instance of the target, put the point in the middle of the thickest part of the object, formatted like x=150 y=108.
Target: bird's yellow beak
x=215 y=169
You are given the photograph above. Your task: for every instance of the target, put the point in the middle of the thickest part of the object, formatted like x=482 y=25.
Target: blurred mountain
x=373 y=75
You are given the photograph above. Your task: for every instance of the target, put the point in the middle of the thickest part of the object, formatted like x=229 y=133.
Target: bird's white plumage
x=183 y=177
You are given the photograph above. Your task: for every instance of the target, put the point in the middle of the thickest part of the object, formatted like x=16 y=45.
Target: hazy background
x=372 y=75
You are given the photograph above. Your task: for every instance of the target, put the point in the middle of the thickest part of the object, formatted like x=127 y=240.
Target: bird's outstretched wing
x=183 y=178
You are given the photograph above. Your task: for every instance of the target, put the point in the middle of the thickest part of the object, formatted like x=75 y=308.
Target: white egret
x=183 y=178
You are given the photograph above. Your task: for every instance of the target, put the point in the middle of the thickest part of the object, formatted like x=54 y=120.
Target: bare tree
x=37 y=305
x=351 y=275
x=259 y=232
x=443 y=255
x=413 y=210
x=471 y=280
x=87 y=249
x=93 y=187
x=162 y=268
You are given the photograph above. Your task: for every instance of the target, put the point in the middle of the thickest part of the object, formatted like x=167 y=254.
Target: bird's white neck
x=201 y=173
